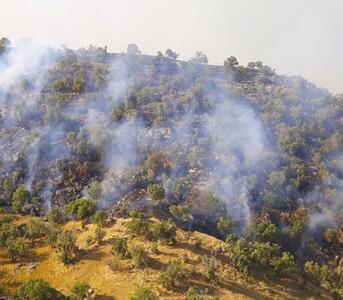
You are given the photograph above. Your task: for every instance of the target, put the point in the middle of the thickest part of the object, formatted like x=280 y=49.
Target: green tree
x=81 y=208
x=231 y=63
x=199 y=58
x=19 y=198
x=35 y=228
x=137 y=225
x=132 y=49
x=5 y=42
x=65 y=246
x=37 y=289
x=171 y=54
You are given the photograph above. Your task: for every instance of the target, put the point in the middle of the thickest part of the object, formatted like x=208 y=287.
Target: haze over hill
x=295 y=37
x=235 y=151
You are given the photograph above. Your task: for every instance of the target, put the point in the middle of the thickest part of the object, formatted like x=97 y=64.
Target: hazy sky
x=296 y=37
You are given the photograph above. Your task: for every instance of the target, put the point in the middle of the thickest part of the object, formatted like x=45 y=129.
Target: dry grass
x=114 y=278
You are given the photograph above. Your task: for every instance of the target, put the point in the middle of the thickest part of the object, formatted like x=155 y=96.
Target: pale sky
x=296 y=37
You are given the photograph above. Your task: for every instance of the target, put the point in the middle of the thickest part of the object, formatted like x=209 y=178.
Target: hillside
x=92 y=266
x=240 y=153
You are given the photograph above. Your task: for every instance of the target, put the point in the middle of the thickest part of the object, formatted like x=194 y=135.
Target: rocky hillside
x=237 y=152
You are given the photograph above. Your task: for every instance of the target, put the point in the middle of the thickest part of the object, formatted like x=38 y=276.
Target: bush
x=172 y=274
x=19 y=198
x=37 y=289
x=65 y=245
x=15 y=249
x=143 y=294
x=81 y=208
x=164 y=231
x=139 y=256
x=119 y=247
x=156 y=191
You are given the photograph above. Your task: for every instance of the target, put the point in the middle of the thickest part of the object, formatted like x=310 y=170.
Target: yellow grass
x=92 y=267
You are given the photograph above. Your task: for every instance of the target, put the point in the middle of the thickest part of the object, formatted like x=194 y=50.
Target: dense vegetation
x=242 y=153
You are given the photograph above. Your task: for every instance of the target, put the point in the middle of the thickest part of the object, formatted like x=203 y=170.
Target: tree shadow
x=92 y=254
x=237 y=288
x=156 y=264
